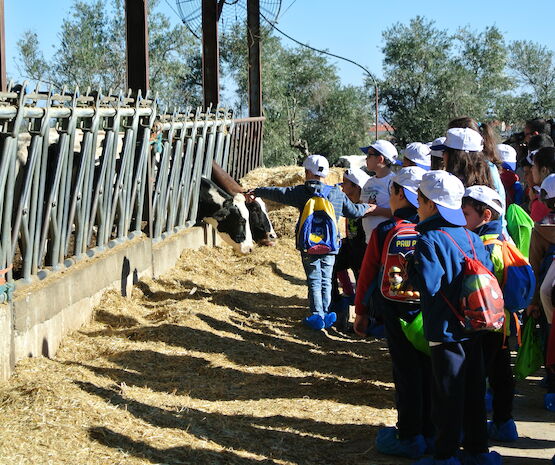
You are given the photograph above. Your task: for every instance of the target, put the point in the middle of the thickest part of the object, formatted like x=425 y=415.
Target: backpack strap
x=494 y=242
x=457 y=245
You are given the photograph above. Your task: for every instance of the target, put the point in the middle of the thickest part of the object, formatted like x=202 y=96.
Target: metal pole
x=3 y=78
x=253 y=42
x=136 y=28
x=377 y=104
x=210 y=53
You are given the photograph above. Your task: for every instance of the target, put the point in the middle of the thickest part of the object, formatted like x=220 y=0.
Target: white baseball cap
x=486 y=195
x=356 y=176
x=508 y=156
x=437 y=142
x=465 y=139
x=548 y=185
x=385 y=148
x=317 y=165
x=409 y=179
x=446 y=191
x=418 y=153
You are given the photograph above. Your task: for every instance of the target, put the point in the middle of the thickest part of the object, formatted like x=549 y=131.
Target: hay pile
x=207 y=365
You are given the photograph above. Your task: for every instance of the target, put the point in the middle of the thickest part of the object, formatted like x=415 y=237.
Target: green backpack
x=519 y=225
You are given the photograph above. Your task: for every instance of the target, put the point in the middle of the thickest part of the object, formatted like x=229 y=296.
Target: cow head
x=261 y=227
x=228 y=215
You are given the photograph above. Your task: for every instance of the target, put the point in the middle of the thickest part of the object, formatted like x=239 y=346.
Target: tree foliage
x=91 y=52
x=431 y=77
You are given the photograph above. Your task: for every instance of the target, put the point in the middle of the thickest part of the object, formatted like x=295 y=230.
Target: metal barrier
x=245 y=152
x=79 y=173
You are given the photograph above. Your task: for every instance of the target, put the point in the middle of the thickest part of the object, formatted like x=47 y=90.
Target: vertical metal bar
x=210 y=53
x=136 y=28
x=253 y=43
x=3 y=76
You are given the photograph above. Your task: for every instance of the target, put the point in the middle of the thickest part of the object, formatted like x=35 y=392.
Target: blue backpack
x=318 y=232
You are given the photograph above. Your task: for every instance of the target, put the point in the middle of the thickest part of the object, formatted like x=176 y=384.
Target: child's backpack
x=318 y=227
x=547 y=261
x=519 y=281
x=519 y=226
x=399 y=245
x=480 y=305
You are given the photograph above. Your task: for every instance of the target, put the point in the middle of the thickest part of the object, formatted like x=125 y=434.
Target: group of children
x=416 y=237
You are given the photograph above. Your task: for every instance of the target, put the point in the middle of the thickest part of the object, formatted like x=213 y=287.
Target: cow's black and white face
x=229 y=216
x=261 y=227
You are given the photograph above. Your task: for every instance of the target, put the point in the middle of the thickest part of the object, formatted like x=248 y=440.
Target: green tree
x=431 y=77
x=91 y=52
x=301 y=95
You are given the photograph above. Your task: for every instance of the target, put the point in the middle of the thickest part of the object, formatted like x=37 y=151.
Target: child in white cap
x=411 y=367
x=514 y=191
x=352 y=249
x=318 y=267
x=542 y=254
x=482 y=207
x=458 y=378
x=380 y=157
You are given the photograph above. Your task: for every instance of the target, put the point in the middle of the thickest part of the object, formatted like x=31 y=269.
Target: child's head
x=487 y=133
x=544 y=164
x=403 y=189
x=547 y=192
x=533 y=127
x=437 y=154
x=417 y=154
x=441 y=193
x=463 y=157
x=316 y=167
x=481 y=205
x=354 y=180
x=507 y=154
x=381 y=154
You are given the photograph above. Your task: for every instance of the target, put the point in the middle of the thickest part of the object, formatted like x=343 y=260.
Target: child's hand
x=371 y=209
x=360 y=325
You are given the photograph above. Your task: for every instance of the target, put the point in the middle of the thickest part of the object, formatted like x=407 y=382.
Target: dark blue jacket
x=437 y=267
x=297 y=196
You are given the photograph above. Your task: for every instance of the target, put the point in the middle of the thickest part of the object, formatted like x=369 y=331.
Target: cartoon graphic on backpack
x=318 y=232
x=519 y=281
x=481 y=305
x=399 y=245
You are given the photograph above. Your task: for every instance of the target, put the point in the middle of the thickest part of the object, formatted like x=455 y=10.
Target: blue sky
x=351 y=28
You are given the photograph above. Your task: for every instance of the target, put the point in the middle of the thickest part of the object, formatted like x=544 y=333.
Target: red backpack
x=399 y=244
x=480 y=306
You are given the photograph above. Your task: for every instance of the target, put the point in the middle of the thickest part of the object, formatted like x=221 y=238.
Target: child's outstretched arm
x=294 y=196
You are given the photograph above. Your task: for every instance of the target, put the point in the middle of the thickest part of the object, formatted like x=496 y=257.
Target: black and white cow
x=261 y=227
x=228 y=215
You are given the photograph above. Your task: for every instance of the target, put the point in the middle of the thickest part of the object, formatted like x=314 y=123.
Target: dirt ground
x=210 y=365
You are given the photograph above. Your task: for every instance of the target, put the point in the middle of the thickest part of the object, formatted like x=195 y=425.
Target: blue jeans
x=319 y=270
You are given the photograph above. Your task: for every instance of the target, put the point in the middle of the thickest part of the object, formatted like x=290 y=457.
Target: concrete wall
x=44 y=311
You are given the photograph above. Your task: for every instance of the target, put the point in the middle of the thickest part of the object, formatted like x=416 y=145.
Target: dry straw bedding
x=207 y=365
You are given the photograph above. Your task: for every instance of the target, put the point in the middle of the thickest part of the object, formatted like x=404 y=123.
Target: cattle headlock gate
x=82 y=172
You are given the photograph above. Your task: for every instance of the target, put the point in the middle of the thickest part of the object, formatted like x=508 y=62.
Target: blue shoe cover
x=315 y=322
x=329 y=319
x=505 y=432
x=489 y=401
x=432 y=461
x=549 y=401
x=387 y=442
x=486 y=458
x=377 y=331
x=430 y=445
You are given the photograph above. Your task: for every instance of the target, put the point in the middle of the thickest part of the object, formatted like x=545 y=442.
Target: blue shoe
x=486 y=458
x=549 y=401
x=315 y=322
x=388 y=442
x=432 y=461
x=489 y=401
x=505 y=432
x=329 y=319
x=377 y=331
